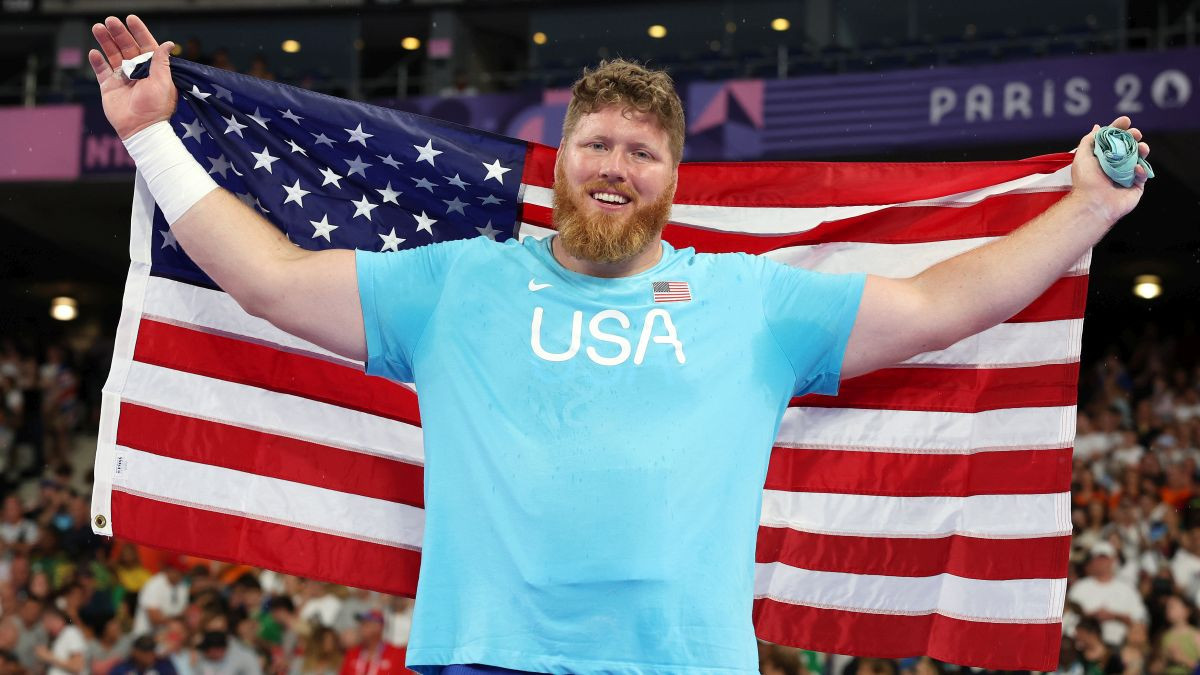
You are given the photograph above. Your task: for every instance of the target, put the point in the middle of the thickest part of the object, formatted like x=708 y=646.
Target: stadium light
x=781 y=24
x=410 y=43
x=539 y=38
x=290 y=46
x=64 y=308
x=657 y=31
x=1147 y=286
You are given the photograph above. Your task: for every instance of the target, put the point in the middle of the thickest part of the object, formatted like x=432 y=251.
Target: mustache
x=595 y=186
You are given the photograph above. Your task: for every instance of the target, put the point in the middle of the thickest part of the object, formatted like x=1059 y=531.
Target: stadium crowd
x=72 y=603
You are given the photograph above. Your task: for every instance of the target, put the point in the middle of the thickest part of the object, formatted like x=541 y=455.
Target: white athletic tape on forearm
x=176 y=179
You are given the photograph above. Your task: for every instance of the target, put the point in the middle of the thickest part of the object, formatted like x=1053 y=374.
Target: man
x=16 y=530
x=67 y=654
x=597 y=510
x=165 y=595
x=143 y=660
x=217 y=657
x=372 y=656
x=1108 y=600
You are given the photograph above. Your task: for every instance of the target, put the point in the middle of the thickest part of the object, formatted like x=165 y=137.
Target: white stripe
x=1010 y=600
x=927 y=431
x=141 y=221
x=768 y=220
x=986 y=516
x=269 y=499
x=185 y=304
x=1011 y=344
x=110 y=400
x=253 y=408
x=888 y=260
x=535 y=231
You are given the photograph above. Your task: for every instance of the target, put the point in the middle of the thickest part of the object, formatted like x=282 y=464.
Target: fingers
x=121 y=35
x=1140 y=176
x=140 y=33
x=1137 y=133
x=111 y=51
x=1122 y=122
x=1143 y=150
x=100 y=66
x=160 y=63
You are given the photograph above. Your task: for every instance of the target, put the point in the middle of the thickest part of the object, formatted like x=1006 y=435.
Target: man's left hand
x=1093 y=187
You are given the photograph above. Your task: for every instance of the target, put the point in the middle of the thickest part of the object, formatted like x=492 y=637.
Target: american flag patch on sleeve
x=671 y=291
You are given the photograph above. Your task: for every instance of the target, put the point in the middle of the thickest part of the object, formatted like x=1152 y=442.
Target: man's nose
x=613 y=168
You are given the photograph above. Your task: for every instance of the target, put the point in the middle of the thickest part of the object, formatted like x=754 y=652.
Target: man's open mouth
x=610 y=198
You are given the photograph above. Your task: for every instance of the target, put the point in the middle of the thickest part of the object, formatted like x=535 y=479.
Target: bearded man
x=598 y=416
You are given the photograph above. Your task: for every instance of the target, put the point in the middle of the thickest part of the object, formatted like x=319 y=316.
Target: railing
x=23 y=88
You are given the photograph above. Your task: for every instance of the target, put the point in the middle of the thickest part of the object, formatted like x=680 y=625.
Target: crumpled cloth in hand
x=1118 y=155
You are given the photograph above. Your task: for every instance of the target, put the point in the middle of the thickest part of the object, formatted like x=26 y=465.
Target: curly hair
x=635 y=87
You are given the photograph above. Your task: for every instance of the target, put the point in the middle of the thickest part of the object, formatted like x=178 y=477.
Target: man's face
x=370 y=630
x=613 y=184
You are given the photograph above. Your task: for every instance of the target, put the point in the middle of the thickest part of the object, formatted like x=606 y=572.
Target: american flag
x=924 y=510
x=671 y=291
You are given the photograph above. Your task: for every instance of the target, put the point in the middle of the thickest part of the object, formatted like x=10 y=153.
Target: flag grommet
x=101 y=521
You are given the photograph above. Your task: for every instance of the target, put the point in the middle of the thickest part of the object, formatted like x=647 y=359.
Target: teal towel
x=1118 y=155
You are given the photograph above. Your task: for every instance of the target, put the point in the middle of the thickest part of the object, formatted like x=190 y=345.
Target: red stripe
x=993 y=217
x=895 y=474
x=194 y=351
x=237 y=539
x=996 y=646
x=962 y=390
x=823 y=183
x=968 y=557
x=1065 y=299
x=265 y=454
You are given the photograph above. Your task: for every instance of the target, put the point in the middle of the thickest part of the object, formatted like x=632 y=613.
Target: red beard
x=606 y=237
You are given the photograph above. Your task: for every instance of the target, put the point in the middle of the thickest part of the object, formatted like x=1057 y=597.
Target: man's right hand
x=132 y=105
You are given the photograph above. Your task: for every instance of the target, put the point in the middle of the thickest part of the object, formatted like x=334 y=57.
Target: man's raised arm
x=313 y=295
x=899 y=318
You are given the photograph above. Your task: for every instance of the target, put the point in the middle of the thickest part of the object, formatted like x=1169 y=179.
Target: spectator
x=214 y=656
x=322 y=654
x=165 y=595
x=321 y=604
x=131 y=574
x=16 y=530
x=33 y=633
x=110 y=648
x=1096 y=655
x=1108 y=600
x=259 y=68
x=372 y=655
x=1181 y=641
x=143 y=660
x=220 y=59
x=67 y=654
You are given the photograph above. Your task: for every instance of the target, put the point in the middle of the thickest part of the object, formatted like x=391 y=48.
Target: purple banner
x=40 y=143
x=1048 y=99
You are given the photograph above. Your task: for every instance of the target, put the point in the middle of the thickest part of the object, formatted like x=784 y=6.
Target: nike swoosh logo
x=533 y=286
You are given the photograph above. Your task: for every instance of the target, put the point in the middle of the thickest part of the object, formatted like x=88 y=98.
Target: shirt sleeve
x=811 y=315
x=399 y=292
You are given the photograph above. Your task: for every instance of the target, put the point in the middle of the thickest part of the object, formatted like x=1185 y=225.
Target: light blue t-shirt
x=594 y=459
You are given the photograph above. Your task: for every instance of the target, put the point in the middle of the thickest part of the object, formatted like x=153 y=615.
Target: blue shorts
x=475 y=669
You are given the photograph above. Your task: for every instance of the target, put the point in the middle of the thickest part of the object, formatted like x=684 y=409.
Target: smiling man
x=596 y=511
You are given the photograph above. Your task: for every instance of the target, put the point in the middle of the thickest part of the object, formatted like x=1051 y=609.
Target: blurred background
x=860 y=80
